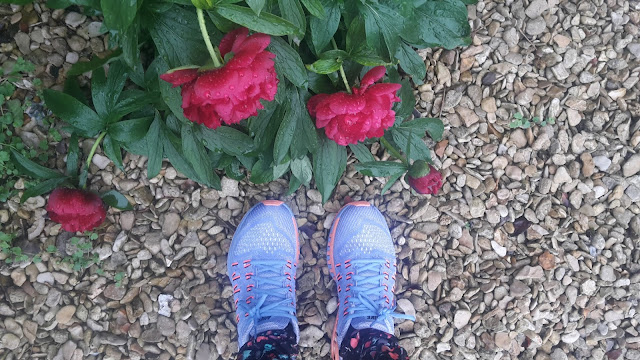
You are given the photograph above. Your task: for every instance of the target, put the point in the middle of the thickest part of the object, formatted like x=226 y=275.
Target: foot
x=261 y=264
x=362 y=261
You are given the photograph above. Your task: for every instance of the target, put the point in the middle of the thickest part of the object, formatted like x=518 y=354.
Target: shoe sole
x=335 y=347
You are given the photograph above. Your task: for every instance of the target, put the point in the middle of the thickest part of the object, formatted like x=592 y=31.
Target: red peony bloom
x=76 y=210
x=424 y=178
x=349 y=118
x=232 y=92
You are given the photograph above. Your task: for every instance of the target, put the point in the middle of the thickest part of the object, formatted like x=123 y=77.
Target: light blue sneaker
x=261 y=264
x=362 y=260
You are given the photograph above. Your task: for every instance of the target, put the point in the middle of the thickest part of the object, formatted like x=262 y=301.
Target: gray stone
x=536 y=8
x=536 y=26
x=631 y=166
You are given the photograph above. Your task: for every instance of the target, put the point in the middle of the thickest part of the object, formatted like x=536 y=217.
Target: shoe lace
x=365 y=300
x=269 y=294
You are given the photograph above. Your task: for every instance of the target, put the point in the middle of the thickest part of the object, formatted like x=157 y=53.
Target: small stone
x=310 y=335
x=74 y=19
x=100 y=161
x=18 y=276
x=574 y=117
x=45 y=278
x=461 y=318
x=631 y=166
x=434 y=279
x=536 y=26
x=499 y=249
x=163 y=304
x=65 y=314
x=166 y=325
x=530 y=272
x=467 y=115
x=589 y=287
x=114 y=292
x=503 y=340
x=489 y=105
x=229 y=187
x=536 y=8
x=562 y=176
x=617 y=94
x=571 y=337
x=602 y=162
x=10 y=341
x=561 y=40
x=607 y=273
x=477 y=208
x=170 y=224
x=518 y=289
x=547 y=260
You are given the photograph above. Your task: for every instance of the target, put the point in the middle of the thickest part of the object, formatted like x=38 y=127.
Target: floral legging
x=366 y=344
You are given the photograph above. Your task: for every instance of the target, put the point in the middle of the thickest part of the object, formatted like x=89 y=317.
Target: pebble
x=74 y=19
x=461 y=318
x=631 y=166
x=65 y=314
x=602 y=162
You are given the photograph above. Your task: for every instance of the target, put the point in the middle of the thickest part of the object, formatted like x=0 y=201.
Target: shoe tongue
x=385 y=325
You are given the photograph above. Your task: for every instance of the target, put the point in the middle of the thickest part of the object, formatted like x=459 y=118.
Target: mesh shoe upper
x=261 y=265
x=361 y=258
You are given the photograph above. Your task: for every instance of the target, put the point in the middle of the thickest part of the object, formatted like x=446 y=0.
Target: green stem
x=393 y=151
x=342 y=74
x=207 y=39
x=94 y=148
x=344 y=79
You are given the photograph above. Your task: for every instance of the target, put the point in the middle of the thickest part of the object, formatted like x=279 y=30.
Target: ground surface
x=482 y=283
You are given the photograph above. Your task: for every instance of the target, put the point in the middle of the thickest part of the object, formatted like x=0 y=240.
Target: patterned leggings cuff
x=371 y=344
x=271 y=345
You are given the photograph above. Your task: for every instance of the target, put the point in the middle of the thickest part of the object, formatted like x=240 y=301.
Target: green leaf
x=73 y=112
x=195 y=152
x=411 y=63
x=72 y=87
x=99 y=92
x=380 y=168
x=227 y=139
x=383 y=26
x=288 y=62
x=130 y=130
x=119 y=14
x=42 y=188
x=369 y=59
x=287 y=128
x=264 y=171
x=325 y=66
x=265 y=23
x=407 y=101
x=315 y=8
x=177 y=36
x=113 y=151
x=434 y=127
x=443 y=23
x=390 y=182
x=129 y=45
x=82 y=67
x=28 y=167
x=292 y=11
x=323 y=28
x=116 y=200
x=302 y=169
x=256 y=5
x=362 y=152
x=155 y=147
x=73 y=156
x=404 y=138
x=329 y=163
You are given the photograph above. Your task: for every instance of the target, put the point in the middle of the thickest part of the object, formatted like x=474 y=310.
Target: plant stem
x=207 y=39
x=94 y=148
x=393 y=151
x=344 y=79
x=342 y=74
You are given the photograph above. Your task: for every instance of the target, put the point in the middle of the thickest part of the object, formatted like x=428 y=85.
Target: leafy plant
x=520 y=122
x=14 y=253
x=118 y=277
x=320 y=47
x=83 y=257
x=12 y=118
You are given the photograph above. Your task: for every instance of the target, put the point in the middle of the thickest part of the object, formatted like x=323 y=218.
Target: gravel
x=530 y=251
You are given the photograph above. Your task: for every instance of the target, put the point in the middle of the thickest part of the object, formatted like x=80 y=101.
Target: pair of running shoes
x=263 y=259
